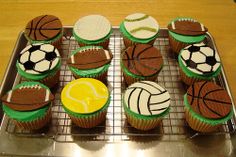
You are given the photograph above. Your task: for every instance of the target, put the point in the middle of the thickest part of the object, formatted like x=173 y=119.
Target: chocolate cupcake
x=141 y=62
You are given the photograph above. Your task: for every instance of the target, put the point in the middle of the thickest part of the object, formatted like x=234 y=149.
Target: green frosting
x=132 y=38
x=212 y=122
x=194 y=75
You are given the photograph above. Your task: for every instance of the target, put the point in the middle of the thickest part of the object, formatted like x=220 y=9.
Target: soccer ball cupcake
x=198 y=62
x=93 y=30
x=139 y=28
x=28 y=105
x=207 y=106
x=185 y=31
x=86 y=101
x=145 y=104
x=141 y=62
x=41 y=63
x=45 y=29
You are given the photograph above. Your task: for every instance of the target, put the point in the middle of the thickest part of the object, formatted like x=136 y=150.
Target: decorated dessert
x=90 y=61
x=141 y=62
x=145 y=104
x=86 y=101
x=40 y=62
x=198 y=62
x=44 y=29
x=28 y=105
x=185 y=31
x=207 y=106
x=93 y=30
x=139 y=28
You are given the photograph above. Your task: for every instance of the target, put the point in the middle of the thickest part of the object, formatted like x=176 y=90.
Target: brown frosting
x=142 y=59
x=209 y=100
x=44 y=27
x=90 y=58
x=187 y=27
x=27 y=99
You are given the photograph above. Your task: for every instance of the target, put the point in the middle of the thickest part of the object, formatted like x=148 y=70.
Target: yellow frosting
x=85 y=95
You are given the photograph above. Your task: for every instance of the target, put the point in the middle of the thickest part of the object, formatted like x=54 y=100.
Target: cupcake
x=207 y=106
x=40 y=62
x=198 y=62
x=139 y=28
x=28 y=105
x=141 y=62
x=185 y=31
x=145 y=104
x=93 y=30
x=90 y=61
x=45 y=29
x=86 y=101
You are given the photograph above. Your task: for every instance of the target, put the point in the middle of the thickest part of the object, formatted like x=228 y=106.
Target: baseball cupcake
x=207 y=106
x=185 y=31
x=86 y=101
x=41 y=63
x=141 y=62
x=139 y=28
x=28 y=105
x=93 y=30
x=198 y=62
x=90 y=61
x=145 y=104
x=45 y=29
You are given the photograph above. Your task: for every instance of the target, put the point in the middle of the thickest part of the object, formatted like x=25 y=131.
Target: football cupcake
x=198 y=62
x=93 y=30
x=139 y=28
x=28 y=105
x=86 y=101
x=141 y=62
x=90 y=61
x=207 y=106
x=145 y=104
x=41 y=63
x=44 y=29
x=185 y=31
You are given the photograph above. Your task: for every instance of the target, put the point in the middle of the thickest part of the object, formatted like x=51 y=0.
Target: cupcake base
x=128 y=42
x=175 y=45
x=130 y=80
x=104 y=44
x=51 y=81
x=57 y=44
x=187 y=80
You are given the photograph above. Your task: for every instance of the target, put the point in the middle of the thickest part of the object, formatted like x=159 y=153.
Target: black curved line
x=138 y=101
x=215 y=90
x=136 y=69
x=46 y=37
x=203 y=53
x=211 y=109
x=160 y=109
x=160 y=102
x=130 y=94
x=148 y=103
x=37 y=25
x=31 y=25
x=199 y=92
x=128 y=58
x=48 y=22
x=132 y=54
x=147 y=66
x=151 y=85
x=44 y=28
x=143 y=51
x=148 y=91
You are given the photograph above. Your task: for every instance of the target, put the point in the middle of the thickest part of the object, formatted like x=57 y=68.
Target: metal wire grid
x=116 y=128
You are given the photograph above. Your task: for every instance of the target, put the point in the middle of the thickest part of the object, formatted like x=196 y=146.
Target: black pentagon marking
x=191 y=64
x=211 y=60
x=29 y=65
x=34 y=48
x=50 y=56
x=193 y=48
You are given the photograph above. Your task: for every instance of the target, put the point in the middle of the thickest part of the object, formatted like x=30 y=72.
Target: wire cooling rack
x=116 y=128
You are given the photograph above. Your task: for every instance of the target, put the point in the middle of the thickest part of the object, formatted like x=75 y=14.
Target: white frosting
x=149 y=22
x=92 y=27
x=147 y=98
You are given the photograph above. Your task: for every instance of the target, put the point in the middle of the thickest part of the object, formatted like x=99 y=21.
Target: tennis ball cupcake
x=139 y=28
x=86 y=101
x=40 y=62
x=44 y=29
x=141 y=62
x=145 y=104
x=198 y=62
x=28 y=105
x=93 y=30
x=207 y=106
x=90 y=61
x=185 y=31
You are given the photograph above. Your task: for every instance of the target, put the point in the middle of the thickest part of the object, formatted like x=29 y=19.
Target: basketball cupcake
x=90 y=61
x=141 y=62
x=207 y=106
x=28 y=105
x=145 y=104
x=198 y=62
x=40 y=62
x=86 y=101
x=93 y=30
x=139 y=28
x=45 y=29
x=185 y=31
